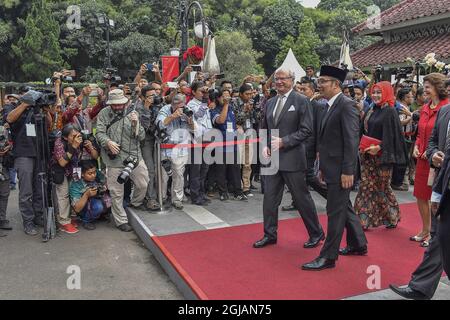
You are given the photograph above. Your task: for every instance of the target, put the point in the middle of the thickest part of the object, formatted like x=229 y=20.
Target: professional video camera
x=39 y=99
x=378 y=72
x=111 y=75
x=402 y=73
x=130 y=164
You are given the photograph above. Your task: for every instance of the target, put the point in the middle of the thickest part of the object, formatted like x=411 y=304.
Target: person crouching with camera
x=66 y=168
x=120 y=134
x=89 y=196
x=176 y=123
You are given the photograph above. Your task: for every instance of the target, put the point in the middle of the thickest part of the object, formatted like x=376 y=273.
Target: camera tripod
x=42 y=165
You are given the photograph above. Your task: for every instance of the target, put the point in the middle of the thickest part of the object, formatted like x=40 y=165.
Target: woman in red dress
x=435 y=91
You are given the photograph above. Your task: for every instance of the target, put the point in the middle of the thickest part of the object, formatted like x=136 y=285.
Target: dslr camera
x=101 y=188
x=130 y=164
x=188 y=112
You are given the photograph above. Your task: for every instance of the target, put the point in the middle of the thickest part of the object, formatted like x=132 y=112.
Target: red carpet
x=221 y=263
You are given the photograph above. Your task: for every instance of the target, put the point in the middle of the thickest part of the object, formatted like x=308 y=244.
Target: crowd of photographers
x=103 y=143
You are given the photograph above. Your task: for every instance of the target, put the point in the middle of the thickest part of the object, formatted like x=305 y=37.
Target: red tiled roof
x=409 y=10
x=397 y=52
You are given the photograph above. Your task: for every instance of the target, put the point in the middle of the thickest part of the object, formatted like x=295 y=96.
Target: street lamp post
x=184 y=16
x=104 y=20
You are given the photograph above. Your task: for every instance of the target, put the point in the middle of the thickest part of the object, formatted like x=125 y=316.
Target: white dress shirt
x=283 y=101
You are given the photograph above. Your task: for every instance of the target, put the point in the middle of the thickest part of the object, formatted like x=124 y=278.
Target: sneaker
x=241 y=197
x=69 y=228
x=153 y=205
x=177 y=205
x=200 y=202
x=252 y=187
x=248 y=193
x=5 y=225
x=89 y=226
x=125 y=227
x=12 y=187
x=74 y=222
x=30 y=230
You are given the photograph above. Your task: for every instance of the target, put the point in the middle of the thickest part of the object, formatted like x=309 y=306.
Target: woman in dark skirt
x=375 y=203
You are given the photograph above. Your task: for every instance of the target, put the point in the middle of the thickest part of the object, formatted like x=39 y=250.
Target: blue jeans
x=93 y=210
x=12 y=176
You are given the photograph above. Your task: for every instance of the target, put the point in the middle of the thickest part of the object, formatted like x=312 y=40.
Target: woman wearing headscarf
x=382 y=147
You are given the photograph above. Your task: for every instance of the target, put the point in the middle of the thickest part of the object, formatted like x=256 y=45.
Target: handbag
x=58 y=174
x=367 y=142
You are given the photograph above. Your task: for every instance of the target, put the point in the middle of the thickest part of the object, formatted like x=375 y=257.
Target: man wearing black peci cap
x=338 y=140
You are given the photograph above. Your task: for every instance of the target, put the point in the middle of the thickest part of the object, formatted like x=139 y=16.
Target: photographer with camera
x=119 y=133
x=228 y=173
x=243 y=109
x=148 y=109
x=199 y=171
x=22 y=121
x=65 y=168
x=89 y=195
x=177 y=123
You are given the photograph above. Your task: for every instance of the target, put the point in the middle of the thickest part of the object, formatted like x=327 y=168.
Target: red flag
x=170 y=68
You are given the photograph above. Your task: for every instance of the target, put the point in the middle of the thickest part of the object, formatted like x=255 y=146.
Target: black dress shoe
x=5 y=225
x=313 y=242
x=408 y=293
x=288 y=208
x=264 y=242
x=349 y=251
x=319 y=264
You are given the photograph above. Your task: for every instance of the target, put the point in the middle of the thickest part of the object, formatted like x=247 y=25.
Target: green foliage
x=304 y=47
x=236 y=56
x=145 y=29
x=279 y=21
x=39 y=49
x=136 y=49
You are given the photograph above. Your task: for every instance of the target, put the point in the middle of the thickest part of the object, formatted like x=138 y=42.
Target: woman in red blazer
x=434 y=89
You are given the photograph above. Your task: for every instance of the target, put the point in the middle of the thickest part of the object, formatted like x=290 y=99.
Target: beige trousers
x=139 y=176
x=62 y=193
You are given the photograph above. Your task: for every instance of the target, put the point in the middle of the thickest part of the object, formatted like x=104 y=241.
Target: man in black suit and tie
x=426 y=277
x=291 y=114
x=338 y=141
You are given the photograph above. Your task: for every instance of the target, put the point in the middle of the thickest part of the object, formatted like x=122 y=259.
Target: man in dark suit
x=308 y=89
x=338 y=141
x=426 y=277
x=290 y=113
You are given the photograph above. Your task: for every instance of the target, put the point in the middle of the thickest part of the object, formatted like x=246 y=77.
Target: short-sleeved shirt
x=78 y=188
x=228 y=128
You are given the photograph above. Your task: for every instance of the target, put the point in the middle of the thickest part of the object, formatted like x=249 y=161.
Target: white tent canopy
x=291 y=63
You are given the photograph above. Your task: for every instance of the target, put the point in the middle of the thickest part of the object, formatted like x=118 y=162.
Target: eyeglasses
x=322 y=81
x=283 y=79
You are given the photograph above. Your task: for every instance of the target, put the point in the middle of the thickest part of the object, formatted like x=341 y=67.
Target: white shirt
x=283 y=101
x=332 y=100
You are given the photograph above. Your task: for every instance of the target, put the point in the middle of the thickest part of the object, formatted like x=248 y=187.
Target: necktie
x=279 y=108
